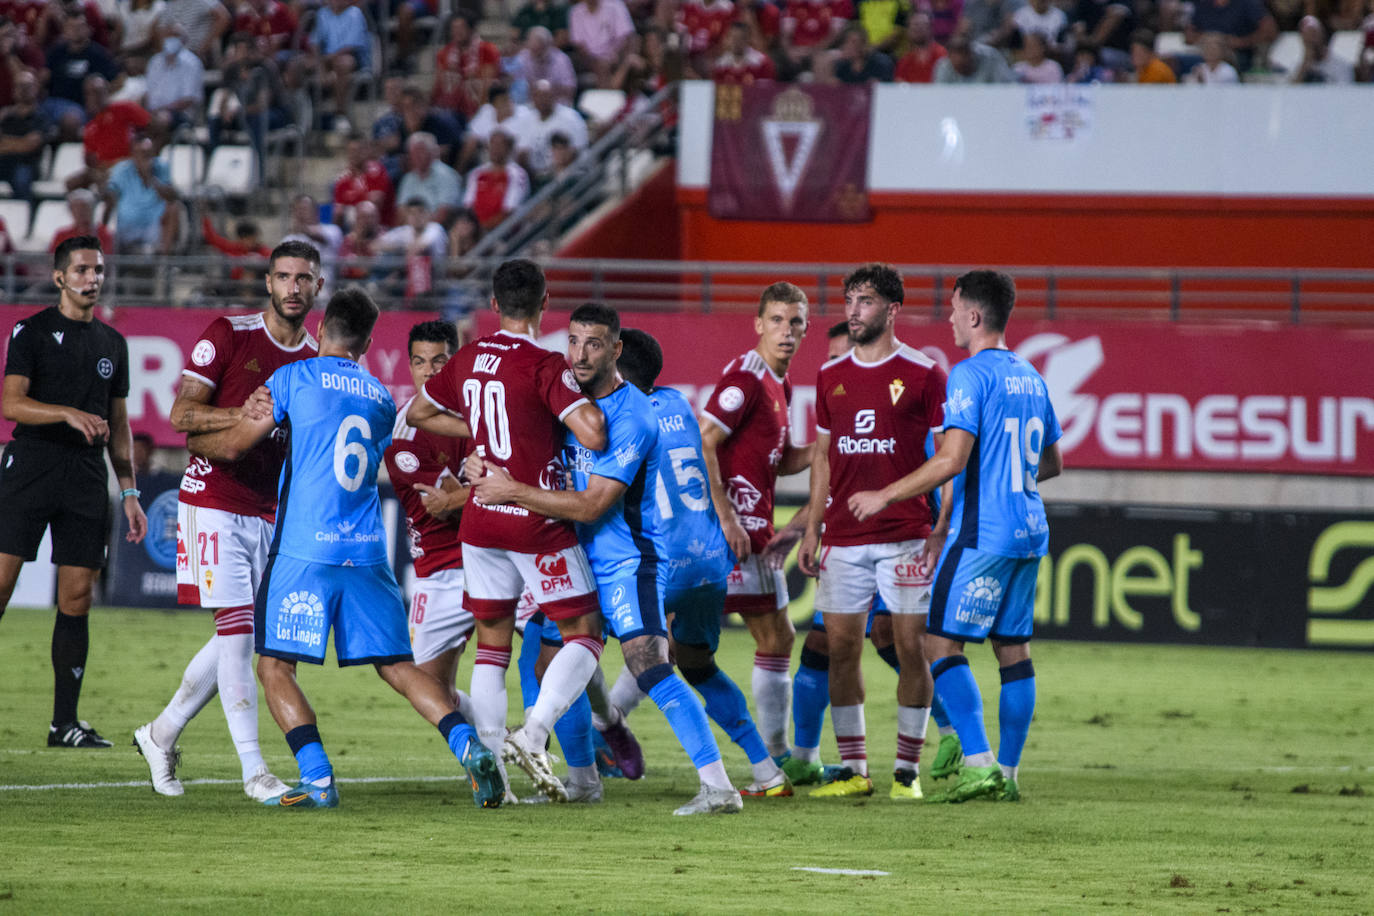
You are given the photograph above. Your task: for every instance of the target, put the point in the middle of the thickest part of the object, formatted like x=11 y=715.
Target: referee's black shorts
x=43 y=484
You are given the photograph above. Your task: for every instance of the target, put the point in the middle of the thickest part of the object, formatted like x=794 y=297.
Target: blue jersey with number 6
x=1000 y=398
x=340 y=419
x=697 y=553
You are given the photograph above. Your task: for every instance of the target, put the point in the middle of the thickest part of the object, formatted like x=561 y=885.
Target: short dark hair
x=884 y=279
x=294 y=248
x=144 y=437
x=247 y=228
x=641 y=358
x=436 y=331
x=416 y=202
x=1144 y=37
x=597 y=313
x=784 y=292
x=350 y=317
x=993 y=292
x=518 y=287
x=495 y=92
x=63 y=255
x=838 y=329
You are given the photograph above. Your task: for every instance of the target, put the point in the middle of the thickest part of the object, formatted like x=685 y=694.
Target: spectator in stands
x=52 y=17
x=108 y=135
x=24 y=128
x=69 y=63
x=201 y=23
x=945 y=17
x=703 y=25
x=81 y=204
x=545 y=14
x=858 y=63
x=138 y=27
x=7 y=246
x=599 y=31
x=550 y=117
x=465 y=68
x=252 y=97
x=986 y=21
x=422 y=242
x=1215 y=69
x=1088 y=67
x=406 y=12
x=18 y=54
x=741 y=64
x=389 y=126
x=464 y=234
x=971 y=61
x=1364 y=68
x=1034 y=66
x=497 y=187
x=1043 y=18
x=883 y=22
x=564 y=156
x=918 y=64
x=1318 y=65
x=134 y=86
x=429 y=180
x=361 y=240
x=364 y=178
x=1243 y=25
x=763 y=20
x=340 y=46
x=643 y=69
x=1149 y=68
x=141 y=196
x=306 y=226
x=541 y=59
x=808 y=26
x=1107 y=25
x=248 y=257
x=417 y=114
x=272 y=26
x=176 y=82
x=500 y=111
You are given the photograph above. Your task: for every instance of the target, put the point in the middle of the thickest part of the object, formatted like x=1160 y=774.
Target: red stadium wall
x=1053 y=229
x=644 y=226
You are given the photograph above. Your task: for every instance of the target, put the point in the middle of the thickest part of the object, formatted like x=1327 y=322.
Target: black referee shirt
x=72 y=363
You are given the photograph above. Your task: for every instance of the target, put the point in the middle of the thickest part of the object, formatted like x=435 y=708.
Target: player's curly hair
x=993 y=292
x=641 y=358
x=884 y=279
x=436 y=331
x=518 y=287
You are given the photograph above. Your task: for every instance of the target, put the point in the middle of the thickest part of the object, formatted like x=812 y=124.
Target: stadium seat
x=69 y=159
x=50 y=216
x=15 y=213
x=232 y=170
x=1285 y=54
x=1347 y=46
x=187 y=164
x=601 y=105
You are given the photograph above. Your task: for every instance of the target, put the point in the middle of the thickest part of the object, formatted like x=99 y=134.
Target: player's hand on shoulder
x=95 y=430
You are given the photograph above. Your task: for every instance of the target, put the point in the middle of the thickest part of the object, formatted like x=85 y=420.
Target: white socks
x=198 y=686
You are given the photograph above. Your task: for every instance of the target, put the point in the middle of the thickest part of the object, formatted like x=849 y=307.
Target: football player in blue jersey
x=614 y=504
x=1001 y=440
x=328 y=566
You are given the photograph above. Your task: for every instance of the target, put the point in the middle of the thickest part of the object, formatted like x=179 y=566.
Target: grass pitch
x=1155 y=779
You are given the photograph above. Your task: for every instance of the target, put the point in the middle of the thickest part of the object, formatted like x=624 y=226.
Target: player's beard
x=867 y=333
x=278 y=306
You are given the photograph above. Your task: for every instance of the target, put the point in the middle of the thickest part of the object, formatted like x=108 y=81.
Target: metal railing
x=457 y=286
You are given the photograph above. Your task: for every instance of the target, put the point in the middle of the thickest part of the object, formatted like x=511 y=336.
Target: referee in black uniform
x=66 y=380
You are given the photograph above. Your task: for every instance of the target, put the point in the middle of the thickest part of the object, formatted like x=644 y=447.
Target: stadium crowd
x=479 y=107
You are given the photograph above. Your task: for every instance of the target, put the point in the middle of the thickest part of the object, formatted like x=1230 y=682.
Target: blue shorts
x=299 y=602
x=877 y=609
x=632 y=605
x=980 y=595
x=696 y=614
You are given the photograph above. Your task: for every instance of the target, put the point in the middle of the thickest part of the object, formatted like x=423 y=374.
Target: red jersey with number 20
x=750 y=403
x=877 y=416
x=235 y=356
x=513 y=394
x=416 y=456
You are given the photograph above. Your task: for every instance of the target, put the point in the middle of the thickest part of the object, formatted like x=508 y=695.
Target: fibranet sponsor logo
x=866 y=445
x=1338 y=610
x=1123 y=589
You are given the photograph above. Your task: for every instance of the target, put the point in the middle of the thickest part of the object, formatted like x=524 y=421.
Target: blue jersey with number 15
x=697 y=553
x=340 y=419
x=1000 y=398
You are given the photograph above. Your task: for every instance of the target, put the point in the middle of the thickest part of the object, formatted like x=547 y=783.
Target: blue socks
x=726 y=706
x=574 y=732
x=1014 y=711
x=311 y=760
x=457 y=732
x=937 y=711
x=810 y=697
x=684 y=713
x=963 y=703
x=530 y=642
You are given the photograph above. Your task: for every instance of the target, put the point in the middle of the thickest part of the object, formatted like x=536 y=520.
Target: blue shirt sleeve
x=280 y=387
x=631 y=437
x=962 y=399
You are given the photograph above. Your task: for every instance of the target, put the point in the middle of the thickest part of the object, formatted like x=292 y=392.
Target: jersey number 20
x=489 y=400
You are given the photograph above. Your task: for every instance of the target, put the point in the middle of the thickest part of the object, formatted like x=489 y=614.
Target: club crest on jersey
x=104 y=367
x=895 y=388
x=252 y=365
x=570 y=381
x=744 y=496
x=731 y=398
x=203 y=354
x=407 y=462
x=209 y=581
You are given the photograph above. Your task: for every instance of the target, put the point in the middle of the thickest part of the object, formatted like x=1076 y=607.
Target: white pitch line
x=840 y=871
x=143 y=783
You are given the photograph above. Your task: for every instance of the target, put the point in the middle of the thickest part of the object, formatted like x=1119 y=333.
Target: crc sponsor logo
x=865 y=421
x=301 y=619
x=911 y=573
x=1333 y=603
x=1254 y=428
x=554 y=568
x=866 y=445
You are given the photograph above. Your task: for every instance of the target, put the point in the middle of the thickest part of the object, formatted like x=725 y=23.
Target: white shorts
x=561 y=582
x=438 y=620
x=220 y=556
x=754 y=587
x=851 y=575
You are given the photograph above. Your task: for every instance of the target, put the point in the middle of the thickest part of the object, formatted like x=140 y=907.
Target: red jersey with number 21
x=514 y=395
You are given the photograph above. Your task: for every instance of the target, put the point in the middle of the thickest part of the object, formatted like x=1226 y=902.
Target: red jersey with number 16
x=513 y=394
x=877 y=416
x=750 y=403
x=234 y=356
x=416 y=456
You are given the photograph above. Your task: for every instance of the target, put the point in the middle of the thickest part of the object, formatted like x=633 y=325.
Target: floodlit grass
x=1155 y=779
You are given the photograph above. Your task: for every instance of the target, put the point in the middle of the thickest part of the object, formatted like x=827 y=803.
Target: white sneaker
x=585 y=793
x=711 y=800
x=521 y=751
x=262 y=785
x=162 y=764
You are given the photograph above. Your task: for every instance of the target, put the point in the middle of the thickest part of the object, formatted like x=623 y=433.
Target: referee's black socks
x=70 y=643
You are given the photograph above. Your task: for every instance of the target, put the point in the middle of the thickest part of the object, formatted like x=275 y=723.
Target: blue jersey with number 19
x=340 y=420
x=696 y=550
x=1000 y=398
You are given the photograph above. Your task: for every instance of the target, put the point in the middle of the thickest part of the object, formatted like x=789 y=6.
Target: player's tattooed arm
x=192 y=413
x=497 y=487
x=255 y=423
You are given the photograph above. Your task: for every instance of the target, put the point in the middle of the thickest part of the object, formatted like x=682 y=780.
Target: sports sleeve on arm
x=23 y=351
x=933 y=398
x=557 y=387
x=210 y=356
x=732 y=400
x=822 y=407
x=440 y=390
x=962 y=405
x=1052 y=430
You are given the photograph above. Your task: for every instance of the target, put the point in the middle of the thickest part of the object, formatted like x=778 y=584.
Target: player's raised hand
x=259 y=404
x=867 y=503
x=138 y=522
x=495 y=487
x=808 y=558
x=94 y=429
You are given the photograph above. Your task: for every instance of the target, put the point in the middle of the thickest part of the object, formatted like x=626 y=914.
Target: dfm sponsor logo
x=1122 y=589
x=554 y=568
x=1333 y=604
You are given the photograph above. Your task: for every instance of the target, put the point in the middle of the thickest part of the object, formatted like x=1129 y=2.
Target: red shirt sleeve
x=556 y=385
x=733 y=399
x=210 y=356
x=932 y=397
